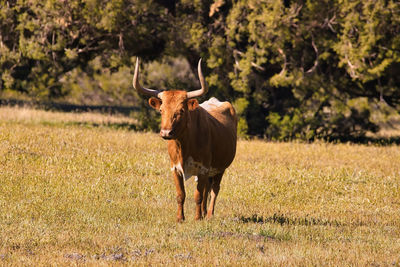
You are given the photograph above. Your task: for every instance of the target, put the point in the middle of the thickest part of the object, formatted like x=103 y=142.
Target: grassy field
x=74 y=190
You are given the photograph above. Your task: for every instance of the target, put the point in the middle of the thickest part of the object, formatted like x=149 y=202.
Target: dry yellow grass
x=35 y=116
x=103 y=196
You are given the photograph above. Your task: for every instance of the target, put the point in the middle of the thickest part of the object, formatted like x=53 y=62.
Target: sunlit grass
x=35 y=116
x=71 y=193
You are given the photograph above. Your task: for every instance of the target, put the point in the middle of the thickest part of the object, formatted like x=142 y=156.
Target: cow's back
x=222 y=111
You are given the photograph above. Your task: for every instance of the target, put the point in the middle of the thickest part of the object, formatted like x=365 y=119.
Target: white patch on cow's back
x=211 y=103
x=194 y=168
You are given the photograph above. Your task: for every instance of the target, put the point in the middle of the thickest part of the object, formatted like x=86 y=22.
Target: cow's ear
x=155 y=103
x=192 y=104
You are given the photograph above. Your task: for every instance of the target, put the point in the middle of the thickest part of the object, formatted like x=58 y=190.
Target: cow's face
x=174 y=107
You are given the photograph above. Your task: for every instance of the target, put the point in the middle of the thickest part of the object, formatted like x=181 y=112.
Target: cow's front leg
x=198 y=196
x=180 y=195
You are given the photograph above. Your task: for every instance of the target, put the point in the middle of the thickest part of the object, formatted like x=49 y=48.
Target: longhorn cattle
x=201 y=140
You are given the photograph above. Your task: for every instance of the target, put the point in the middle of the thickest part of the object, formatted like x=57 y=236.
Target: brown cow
x=201 y=140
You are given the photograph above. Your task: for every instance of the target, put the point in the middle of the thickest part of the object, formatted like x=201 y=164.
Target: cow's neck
x=178 y=150
x=184 y=146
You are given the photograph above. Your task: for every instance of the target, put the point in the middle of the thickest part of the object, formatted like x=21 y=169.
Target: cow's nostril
x=165 y=133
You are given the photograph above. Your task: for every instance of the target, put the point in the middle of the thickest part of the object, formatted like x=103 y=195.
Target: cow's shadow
x=283 y=219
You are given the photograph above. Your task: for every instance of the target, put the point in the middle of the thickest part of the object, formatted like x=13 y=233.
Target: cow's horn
x=137 y=85
x=204 y=87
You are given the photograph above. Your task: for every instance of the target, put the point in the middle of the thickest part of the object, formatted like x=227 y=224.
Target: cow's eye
x=182 y=111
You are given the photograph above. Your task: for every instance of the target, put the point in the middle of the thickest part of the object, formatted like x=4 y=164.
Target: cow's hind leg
x=215 y=186
x=199 y=196
x=206 y=190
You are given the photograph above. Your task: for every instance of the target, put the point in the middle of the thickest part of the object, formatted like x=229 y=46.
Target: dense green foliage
x=293 y=69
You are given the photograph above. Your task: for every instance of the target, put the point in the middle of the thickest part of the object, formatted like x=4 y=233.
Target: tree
x=293 y=68
x=290 y=65
x=44 y=40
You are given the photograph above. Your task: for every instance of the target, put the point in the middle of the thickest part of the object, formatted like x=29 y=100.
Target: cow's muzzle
x=166 y=134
